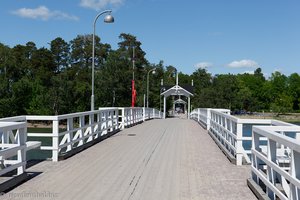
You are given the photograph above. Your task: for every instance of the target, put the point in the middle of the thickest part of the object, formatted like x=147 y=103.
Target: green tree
x=250 y=90
x=43 y=66
x=6 y=103
x=282 y=104
x=21 y=95
x=202 y=89
x=294 y=89
x=225 y=91
x=113 y=82
x=81 y=50
x=60 y=50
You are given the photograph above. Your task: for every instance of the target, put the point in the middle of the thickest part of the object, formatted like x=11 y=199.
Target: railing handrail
x=14 y=119
x=4 y=126
x=66 y=116
x=288 y=178
x=270 y=132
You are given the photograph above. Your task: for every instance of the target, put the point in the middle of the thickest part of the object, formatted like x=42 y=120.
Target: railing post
x=239 y=144
x=208 y=118
x=122 y=118
x=101 y=123
x=189 y=107
x=165 y=107
x=22 y=152
x=111 y=121
x=271 y=175
x=92 y=126
x=98 y=119
x=70 y=135
x=131 y=116
x=55 y=140
x=295 y=168
x=140 y=111
x=106 y=117
x=153 y=111
x=116 y=119
x=81 y=131
x=148 y=113
x=254 y=159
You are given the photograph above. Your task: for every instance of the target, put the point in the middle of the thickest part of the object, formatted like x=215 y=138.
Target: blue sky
x=225 y=36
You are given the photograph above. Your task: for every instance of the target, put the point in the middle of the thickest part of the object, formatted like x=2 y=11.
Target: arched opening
x=178 y=91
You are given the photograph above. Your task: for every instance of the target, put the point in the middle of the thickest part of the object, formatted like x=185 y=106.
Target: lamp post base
x=92 y=102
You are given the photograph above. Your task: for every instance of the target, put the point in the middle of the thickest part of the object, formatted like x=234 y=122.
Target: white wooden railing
x=12 y=147
x=203 y=116
x=280 y=182
x=130 y=116
x=72 y=131
x=77 y=130
x=232 y=134
x=152 y=113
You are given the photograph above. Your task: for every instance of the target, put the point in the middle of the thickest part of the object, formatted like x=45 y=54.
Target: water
x=37 y=154
x=247 y=132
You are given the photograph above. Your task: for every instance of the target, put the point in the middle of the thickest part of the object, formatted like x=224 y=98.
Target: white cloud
x=43 y=13
x=100 y=4
x=203 y=65
x=243 y=64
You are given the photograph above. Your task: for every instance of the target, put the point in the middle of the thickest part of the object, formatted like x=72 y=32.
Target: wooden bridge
x=159 y=159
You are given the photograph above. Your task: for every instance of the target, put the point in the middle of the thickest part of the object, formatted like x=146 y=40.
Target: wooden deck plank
x=164 y=159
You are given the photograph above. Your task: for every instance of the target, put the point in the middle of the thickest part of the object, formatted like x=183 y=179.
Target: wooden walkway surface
x=167 y=159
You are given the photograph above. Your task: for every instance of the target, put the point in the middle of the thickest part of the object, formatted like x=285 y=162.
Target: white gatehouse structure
x=177 y=90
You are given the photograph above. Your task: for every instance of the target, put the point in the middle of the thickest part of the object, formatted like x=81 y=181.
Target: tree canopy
x=58 y=80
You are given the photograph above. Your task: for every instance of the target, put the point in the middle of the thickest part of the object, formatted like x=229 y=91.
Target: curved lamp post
x=108 y=19
x=153 y=71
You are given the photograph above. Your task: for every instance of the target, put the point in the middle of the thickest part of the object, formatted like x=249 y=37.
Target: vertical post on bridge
x=189 y=107
x=122 y=118
x=165 y=107
x=239 y=144
x=208 y=118
x=55 y=140
x=21 y=156
x=153 y=111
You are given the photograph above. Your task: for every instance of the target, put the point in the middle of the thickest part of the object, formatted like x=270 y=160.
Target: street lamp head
x=109 y=19
x=154 y=71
